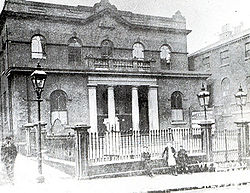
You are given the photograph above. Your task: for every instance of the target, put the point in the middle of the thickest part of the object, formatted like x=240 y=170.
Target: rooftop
x=23 y=7
x=223 y=42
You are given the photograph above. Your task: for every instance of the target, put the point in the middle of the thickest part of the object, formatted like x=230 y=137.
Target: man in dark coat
x=8 y=157
x=182 y=160
x=146 y=162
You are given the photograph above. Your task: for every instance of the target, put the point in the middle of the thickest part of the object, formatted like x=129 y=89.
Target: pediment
x=107 y=19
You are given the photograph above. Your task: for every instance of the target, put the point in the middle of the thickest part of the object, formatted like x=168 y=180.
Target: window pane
x=74 y=50
x=58 y=101
x=225 y=86
x=165 y=53
x=247 y=49
x=224 y=57
x=206 y=61
x=138 y=51
x=106 y=48
x=176 y=100
x=61 y=115
x=177 y=115
x=38 y=47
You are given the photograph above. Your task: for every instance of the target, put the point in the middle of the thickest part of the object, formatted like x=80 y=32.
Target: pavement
x=57 y=181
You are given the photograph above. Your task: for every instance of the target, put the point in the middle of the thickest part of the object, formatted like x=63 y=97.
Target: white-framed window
x=176 y=106
x=138 y=51
x=38 y=47
x=74 y=50
x=247 y=50
x=224 y=57
x=165 y=56
x=58 y=105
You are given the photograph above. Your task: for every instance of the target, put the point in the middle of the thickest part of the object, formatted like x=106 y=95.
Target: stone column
x=111 y=107
x=243 y=139
x=135 y=109
x=206 y=127
x=81 y=154
x=153 y=108
x=92 y=107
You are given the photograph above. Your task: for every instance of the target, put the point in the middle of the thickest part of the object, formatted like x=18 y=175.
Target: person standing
x=8 y=157
x=182 y=160
x=170 y=157
x=146 y=161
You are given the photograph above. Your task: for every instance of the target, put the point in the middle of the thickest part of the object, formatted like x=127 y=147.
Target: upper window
x=247 y=49
x=165 y=56
x=206 y=61
x=176 y=100
x=225 y=86
x=58 y=105
x=224 y=57
x=74 y=50
x=107 y=48
x=176 y=106
x=138 y=51
x=38 y=47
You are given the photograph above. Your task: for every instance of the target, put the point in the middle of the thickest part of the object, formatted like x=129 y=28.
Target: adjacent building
x=107 y=68
x=228 y=60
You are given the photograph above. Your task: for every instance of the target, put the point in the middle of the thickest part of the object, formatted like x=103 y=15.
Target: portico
x=122 y=104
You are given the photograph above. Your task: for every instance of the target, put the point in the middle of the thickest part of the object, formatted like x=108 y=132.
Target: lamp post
x=203 y=98
x=241 y=99
x=38 y=78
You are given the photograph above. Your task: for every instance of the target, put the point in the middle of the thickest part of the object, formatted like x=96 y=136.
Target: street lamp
x=241 y=100
x=203 y=98
x=38 y=78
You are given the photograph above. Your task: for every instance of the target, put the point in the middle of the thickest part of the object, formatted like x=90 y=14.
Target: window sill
x=178 y=122
x=224 y=65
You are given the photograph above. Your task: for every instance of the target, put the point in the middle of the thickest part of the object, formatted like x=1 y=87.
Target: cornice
x=79 y=21
x=176 y=74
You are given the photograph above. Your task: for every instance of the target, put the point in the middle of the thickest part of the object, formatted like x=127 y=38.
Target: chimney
x=238 y=28
x=225 y=32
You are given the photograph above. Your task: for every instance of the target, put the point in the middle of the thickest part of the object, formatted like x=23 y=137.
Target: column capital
x=111 y=87
x=134 y=87
x=153 y=86
x=91 y=85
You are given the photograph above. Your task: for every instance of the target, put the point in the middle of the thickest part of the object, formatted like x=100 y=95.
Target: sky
x=204 y=17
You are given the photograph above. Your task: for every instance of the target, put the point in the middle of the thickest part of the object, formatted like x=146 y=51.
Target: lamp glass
x=241 y=97
x=38 y=78
x=203 y=97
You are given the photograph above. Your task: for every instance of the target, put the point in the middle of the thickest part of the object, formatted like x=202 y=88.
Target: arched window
x=107 y=48
x=74 y=50
x=225 y=86
x=138 y=51
x=38 y=47
x=176 y=100
x=176 y=106
x=58 y=106
x=165 y=56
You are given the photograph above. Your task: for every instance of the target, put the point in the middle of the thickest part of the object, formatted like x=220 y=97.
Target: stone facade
x=228 y=62
x=82 y=80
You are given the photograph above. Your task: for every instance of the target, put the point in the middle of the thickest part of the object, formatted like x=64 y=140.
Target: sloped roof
x=223 y=42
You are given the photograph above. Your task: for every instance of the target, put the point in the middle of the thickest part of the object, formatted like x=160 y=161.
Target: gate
x=225 y=145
